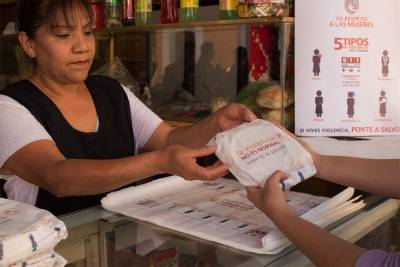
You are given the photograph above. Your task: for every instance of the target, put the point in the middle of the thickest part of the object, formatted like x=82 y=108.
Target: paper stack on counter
x=219 y=211
x=28 y=235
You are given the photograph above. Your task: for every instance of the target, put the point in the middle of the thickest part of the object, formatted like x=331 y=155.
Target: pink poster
x=347 y=68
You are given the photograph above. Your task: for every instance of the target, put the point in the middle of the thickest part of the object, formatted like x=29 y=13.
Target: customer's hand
x=180 y=160
x=315 y=156
x=231 y=116
x=271 y=199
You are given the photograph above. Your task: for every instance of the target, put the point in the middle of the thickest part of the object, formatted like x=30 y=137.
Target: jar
x=113 y=13
x=263 y=8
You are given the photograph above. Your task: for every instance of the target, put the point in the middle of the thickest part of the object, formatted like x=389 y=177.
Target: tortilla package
x=257 y=149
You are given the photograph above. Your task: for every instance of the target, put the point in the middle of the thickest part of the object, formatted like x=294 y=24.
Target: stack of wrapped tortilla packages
x=28 y=236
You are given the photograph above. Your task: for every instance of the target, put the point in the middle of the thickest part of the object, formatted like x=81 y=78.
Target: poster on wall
x=347 y=68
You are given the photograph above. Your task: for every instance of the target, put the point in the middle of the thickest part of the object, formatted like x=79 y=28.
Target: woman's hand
x=271 y=199
x=231 y=116
x=180 y=160
x=199 y=135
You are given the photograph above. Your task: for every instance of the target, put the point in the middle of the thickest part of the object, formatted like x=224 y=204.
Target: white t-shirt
x=18 y=127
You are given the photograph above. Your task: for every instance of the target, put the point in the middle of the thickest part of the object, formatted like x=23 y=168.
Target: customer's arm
x=377 y=176
x=323 y=248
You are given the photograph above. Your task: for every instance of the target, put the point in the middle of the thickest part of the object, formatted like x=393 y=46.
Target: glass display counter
x=101 y=238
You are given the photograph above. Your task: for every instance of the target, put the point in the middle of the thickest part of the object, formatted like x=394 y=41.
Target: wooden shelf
x=8 y=36
x=178 y=123
x=7 y=2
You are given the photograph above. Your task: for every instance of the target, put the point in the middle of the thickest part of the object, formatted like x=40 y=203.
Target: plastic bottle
x=143 y=12
x=242 y=9
x=113 y=13
x=128 y=12
x=98 y=13
x=169 y=11
x=228 y=9
x=189 y=10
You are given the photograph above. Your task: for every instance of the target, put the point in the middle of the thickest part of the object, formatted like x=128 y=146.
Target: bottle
x=143 y=12
x=169 y=11
x=98 y=13
x=242 y=9
x=128 y=14
x=113 y=13
x=228 y=9
x=189 y=10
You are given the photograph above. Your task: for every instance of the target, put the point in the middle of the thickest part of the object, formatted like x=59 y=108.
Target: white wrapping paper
x=219 y=211
x=28 y=234
x=257 y=149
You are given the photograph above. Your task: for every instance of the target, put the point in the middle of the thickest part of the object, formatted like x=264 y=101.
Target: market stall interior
x=184 y=70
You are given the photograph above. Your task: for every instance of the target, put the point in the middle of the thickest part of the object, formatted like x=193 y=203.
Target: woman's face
x=65 y=52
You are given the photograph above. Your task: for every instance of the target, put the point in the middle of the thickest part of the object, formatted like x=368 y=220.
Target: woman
x=76 y=136
x=316 y=62
x=355 y=172
x=385 y=63
x=382 y=104
x=319 y=100
x=350 y=104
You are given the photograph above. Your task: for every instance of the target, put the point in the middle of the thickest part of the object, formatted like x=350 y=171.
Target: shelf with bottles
x=194 y=24
x=170 y=59
x=104 y=33
x=148 y=12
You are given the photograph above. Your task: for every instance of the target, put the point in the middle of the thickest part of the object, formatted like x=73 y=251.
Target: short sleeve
x=18 y=127
x=144 y=120
x=378 y=258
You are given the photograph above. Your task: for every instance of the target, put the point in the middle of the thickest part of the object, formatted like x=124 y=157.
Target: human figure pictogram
x=350 y=104
x=316 y=59
x=319 y=100
x=382 y=104
x=385 y=63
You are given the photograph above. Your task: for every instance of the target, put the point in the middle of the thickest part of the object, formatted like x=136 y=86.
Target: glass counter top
x=125 y=241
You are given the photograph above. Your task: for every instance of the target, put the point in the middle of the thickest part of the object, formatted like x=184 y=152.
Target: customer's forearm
x=323 y=248
x=380 y=177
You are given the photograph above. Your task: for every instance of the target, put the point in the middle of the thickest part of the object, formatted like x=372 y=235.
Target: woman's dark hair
x=31 y=14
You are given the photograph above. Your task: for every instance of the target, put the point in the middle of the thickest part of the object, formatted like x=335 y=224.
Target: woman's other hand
x=271 y=199
x=182 y=161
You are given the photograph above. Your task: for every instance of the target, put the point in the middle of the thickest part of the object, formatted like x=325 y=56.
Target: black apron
x=114 y=138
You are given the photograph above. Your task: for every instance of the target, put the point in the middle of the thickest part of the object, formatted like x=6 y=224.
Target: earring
x=30 y=54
